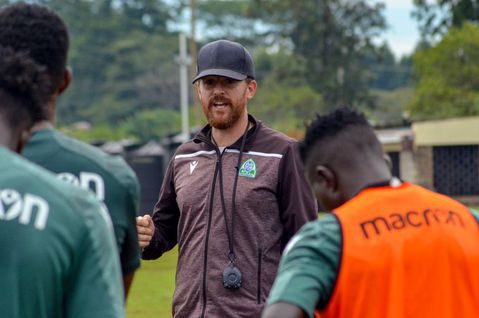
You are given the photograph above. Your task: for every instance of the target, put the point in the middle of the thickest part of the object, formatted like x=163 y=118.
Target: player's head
x=342 y=155
x=40 y=32
x=225 y=82
x=24 y=87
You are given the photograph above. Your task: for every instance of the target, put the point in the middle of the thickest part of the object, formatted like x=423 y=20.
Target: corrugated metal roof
x=151 y=148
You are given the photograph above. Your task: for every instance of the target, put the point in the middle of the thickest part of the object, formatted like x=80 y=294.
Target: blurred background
x=411 y=65
x=397 y=60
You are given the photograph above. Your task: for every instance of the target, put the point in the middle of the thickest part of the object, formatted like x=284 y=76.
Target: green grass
x=152 y=289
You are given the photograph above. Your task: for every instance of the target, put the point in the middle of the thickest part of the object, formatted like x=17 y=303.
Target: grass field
x=152 y=290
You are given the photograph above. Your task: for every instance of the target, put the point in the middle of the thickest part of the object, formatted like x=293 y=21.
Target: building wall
x=447 y=132
x=423 y=166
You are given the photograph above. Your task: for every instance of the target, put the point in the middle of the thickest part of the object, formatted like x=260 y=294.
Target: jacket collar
x=204 y=135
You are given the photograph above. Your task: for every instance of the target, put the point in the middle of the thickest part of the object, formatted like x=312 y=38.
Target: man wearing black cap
x=231 y=199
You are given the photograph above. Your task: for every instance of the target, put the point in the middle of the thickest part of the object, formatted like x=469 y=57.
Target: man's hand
x=145 y=228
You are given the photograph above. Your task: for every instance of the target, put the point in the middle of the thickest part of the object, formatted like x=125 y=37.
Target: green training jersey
x=58 y=255
x=109 y=177
x=310 y=265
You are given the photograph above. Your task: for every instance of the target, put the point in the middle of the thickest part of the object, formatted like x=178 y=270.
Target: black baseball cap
x=224 y=58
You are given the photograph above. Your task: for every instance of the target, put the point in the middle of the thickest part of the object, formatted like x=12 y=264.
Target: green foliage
x=100 y=133
x=331 y=36
x=153 y=124
x=283 y=99
x=323 y=45
x=448 y=76
x=234 y=20
x=285 y=107
x=142 y=126
x=281 y=66
x=390 y=108
x=118 y=50
x=436 y=17
x=385 y=72
x=309 y=55
x=132 y=78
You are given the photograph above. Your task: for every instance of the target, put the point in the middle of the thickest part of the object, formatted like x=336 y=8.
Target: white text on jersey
x=13 y=206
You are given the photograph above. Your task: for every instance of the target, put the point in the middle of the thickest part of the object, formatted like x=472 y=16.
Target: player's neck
x=5 y=136
x=50 y=113
x=41 y=125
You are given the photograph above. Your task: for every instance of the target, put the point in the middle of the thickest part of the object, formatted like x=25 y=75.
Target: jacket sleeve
x=165 y=216
x=297 y=204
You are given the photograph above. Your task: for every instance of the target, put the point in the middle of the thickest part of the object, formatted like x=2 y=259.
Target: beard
x=229 y=117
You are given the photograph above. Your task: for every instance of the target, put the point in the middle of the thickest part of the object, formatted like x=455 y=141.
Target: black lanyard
x=230 y=234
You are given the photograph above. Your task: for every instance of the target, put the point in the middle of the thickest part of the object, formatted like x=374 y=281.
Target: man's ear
x=251 y=89
x=67 y=78
x=326 y=187
x=198 y=91
x=326 y=176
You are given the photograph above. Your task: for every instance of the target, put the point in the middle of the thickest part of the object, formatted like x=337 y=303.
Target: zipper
x=208 y=228
x=258 y=294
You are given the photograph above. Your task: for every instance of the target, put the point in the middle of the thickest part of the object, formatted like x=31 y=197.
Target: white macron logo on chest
x=193 y=165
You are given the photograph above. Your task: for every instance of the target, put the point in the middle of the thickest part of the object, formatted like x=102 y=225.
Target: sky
x=402 y=33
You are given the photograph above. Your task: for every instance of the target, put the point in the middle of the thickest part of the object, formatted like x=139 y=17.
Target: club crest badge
x=248 y=169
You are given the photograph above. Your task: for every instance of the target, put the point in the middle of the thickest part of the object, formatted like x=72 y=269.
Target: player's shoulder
x=80 y=148
x=439 y=198
x=25 y=177
x=93 y=158
x=475 y=214
x=324 y=231
x=325 y=223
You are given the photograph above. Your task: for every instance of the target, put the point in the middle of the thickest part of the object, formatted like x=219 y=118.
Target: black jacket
x=273 y=201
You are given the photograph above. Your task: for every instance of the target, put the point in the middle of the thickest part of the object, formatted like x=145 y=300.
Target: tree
x=385 y=72
x=115 y=46
x=283 y=99
x=140 y=75
x=332 y=37
x=234 y=20
x=448 y=76
x=153 y=124
x=390 y=107
x=121 y=54
x=435 y=18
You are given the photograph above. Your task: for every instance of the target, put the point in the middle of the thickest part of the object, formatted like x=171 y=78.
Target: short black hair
x=352 y=126
x=24 y=87
x=38 y=31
